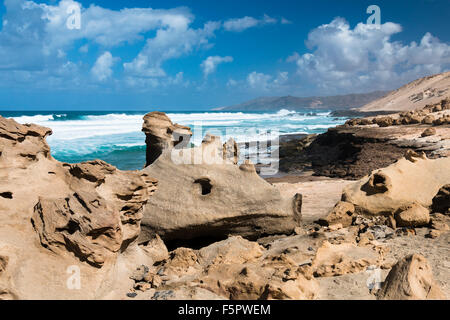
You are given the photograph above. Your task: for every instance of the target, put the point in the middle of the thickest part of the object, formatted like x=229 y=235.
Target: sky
x=198 y=54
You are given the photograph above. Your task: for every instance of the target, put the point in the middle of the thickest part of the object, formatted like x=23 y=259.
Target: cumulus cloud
x=35 y=39
x=170 y=42
x=241 y=24
x=102 y=69
x=366 y=58
x=264 y=82
x=209 y=65
x=105 y=26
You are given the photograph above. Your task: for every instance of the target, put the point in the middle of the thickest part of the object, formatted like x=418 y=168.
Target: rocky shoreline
x=362 y=145
x=367 y=218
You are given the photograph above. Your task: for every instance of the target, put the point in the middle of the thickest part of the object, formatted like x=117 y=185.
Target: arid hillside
x=414 y=95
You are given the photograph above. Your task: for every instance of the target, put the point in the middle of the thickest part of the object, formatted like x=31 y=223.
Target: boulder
x=434 y=234
x=412 y=216
x=439 y=222
x=202 y=192
x=411 y=279
x=429 y=132
x=391 y=188
x=445 y=119
x=385 y=121
x=412 y=118
x=445 y=104
x=359 y=122
x=342 y=214
x=437 y=107
x=441 y=201
x=162 y=134
x=428 y=119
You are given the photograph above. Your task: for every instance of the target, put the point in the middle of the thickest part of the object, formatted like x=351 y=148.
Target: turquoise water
x=116 y=137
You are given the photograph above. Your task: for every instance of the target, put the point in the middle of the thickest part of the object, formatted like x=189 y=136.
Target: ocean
x=116 y=137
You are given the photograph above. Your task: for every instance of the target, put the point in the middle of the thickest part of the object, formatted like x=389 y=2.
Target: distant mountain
x=414 y=95
x=349 y=101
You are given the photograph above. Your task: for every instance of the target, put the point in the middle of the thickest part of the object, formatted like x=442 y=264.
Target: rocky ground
x=369 y=219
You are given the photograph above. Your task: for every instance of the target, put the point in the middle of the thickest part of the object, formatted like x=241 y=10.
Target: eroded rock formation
x=416 y=180
x=231 y=269
x=205 y=193
x=162 y=134
x=53 y=215
x=411 y=279
x=101 y=216
x=441 y=202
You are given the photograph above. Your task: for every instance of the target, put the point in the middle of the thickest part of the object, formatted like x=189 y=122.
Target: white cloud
x=102 y=69
x=105 y=26
x=285 y=21
x=232 y=83
x=84 y=49
x=264 y=82
x=293 y=58
x=365 y=58
x=171 y=42
x=35 y=40
x=142 y=84
x=209 y=65
x=241 y=24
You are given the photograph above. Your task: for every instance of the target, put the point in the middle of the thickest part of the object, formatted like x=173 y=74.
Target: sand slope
x=414 y=95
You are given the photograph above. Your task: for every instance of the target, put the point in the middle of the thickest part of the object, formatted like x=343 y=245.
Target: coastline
x=317 y=223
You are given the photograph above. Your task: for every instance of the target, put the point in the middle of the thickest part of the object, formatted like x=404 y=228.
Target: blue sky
x=175 y=55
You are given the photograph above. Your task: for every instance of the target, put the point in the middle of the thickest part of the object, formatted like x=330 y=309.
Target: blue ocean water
x=116 y=137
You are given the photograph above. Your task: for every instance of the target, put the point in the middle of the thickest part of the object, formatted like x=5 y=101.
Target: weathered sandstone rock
x=413 y=215
x=411 y=279
x=162 y=134
x=439 y=222
x=231 y=151
x=429 y=132
x=441 y=202
x=92 y=226
x=203 y=193
x=156 y=249
x=411 y=118
x=58 y=218
x=6 y=288
x=401 y=184
x=428 y=119
x=385 y=121
x=444 y=119
x=233 y=269
x=336 y=260
x=342 y=214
